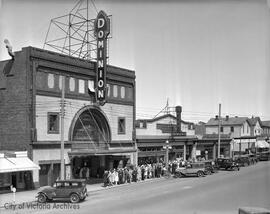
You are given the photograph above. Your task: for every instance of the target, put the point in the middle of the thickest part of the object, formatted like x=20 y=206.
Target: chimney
x=178 y=110
x=216 y=118
x=227 y=117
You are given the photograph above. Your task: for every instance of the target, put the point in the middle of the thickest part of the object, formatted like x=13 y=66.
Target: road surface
x=222 y=192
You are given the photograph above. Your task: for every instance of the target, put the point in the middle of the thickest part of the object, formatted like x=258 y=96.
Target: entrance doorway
x=89 y=167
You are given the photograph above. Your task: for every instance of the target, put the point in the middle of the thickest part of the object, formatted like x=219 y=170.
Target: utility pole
x=62 y=169
x=219 y=125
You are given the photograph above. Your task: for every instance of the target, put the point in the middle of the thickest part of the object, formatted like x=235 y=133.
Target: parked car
x=227 y=164
x=210 y=166
x=192 y=169
x=243 y=160
x=75 y=190
x=263 y=156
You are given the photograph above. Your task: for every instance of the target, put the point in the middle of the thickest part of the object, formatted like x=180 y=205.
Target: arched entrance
x=91 y=125
x=89 y=133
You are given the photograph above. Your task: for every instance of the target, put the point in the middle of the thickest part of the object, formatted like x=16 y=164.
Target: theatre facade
x=96 y=137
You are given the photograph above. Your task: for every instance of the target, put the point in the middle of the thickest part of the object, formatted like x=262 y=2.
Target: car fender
x=47 y=195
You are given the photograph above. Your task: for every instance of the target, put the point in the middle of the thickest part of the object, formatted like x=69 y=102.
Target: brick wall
x=15 y=106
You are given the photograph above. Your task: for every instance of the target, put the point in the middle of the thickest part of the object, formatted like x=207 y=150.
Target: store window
x=53 y=123
x=81 y=86
x=121 y=125
x=50 y=80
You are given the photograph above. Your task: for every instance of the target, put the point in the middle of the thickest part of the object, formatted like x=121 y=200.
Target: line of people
x=133 y=174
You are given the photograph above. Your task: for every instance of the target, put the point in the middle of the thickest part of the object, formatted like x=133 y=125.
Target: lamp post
x=167 y=147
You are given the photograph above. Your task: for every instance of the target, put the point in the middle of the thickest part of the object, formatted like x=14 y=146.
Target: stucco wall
x=47 y=104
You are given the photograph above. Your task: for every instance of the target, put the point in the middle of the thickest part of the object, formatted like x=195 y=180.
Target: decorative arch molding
x=90 y=124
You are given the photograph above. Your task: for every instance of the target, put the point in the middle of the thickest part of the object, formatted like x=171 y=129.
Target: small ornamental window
x=50 y=80
x=115 y=88
x=123 y=94
x=81 y=86
x=72 y=84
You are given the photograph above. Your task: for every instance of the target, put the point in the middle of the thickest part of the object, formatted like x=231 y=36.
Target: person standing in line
x=142 y=172
x=116 y=177
x=139 y=174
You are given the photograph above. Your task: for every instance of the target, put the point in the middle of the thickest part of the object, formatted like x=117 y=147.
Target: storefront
x=16 y=170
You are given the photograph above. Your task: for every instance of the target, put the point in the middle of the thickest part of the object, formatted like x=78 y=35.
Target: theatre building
x=96 y=137
x=152 y=135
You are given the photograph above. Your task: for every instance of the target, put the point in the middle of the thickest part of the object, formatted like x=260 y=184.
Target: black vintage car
x=210 y=166
x=227 y=164
x=243 y=160
x=73 y=190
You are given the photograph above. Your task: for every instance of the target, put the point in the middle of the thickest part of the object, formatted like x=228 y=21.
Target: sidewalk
x=29 y=196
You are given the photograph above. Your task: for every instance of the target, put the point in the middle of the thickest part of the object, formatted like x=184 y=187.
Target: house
x=255 y=126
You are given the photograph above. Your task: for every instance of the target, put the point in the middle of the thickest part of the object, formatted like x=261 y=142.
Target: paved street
x=223 y=192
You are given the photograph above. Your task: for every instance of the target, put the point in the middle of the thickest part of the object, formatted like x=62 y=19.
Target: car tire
x=74 y=198
x=41 y=198
x=200 y=173
x=208 y=172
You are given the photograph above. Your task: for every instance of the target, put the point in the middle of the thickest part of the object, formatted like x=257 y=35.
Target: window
x=60 y=82
x=81 y=86
x=115 y=88
x=123 y=90
x=121 y=125
x=232 y=129
x=221 y=129
x=72 y=84
x=53 y=123
x=108 y=90
x=50 y=80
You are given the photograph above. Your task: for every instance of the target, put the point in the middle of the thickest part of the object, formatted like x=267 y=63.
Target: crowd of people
x=139 y=173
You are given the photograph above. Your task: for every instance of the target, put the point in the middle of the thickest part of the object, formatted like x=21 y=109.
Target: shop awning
x=16 y=164
x=261 y=144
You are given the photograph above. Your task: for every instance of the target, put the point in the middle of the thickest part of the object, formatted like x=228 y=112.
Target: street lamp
x=167 y=147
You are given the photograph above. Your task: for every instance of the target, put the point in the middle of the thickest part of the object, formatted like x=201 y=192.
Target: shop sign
x=102 y=30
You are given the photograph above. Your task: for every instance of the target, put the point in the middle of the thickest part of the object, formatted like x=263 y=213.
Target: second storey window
x=53 y=123
x=221 y=129
x=232 y=129
x=121 y=125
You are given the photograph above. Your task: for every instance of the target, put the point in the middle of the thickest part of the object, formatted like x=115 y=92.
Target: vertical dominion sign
x=102 y=30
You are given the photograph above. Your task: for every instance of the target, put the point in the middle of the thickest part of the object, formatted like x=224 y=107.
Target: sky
x=193 y=53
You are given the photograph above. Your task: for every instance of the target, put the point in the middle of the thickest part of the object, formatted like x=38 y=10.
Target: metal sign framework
x=73 y=34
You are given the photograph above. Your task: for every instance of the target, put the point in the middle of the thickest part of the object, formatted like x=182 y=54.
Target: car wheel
x=41 y=198
x=208 y=172
x=74 y=198
x=245 y=164
x=200 y=174
x=179 y=175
